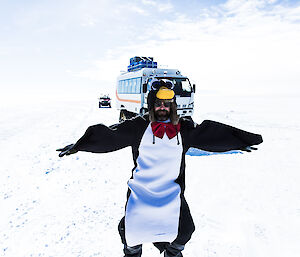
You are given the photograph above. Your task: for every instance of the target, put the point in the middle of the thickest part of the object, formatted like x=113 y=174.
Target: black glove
x=248 y=148
x=67 y=150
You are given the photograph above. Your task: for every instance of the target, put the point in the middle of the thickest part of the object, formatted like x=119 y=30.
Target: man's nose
x=162 y=104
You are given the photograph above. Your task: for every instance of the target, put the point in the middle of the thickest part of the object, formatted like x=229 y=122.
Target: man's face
x=162 y=109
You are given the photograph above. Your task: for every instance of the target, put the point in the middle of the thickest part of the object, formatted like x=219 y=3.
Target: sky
x=80 y=46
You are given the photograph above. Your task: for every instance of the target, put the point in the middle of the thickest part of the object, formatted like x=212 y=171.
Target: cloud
x=166 y=7
x=236 y=44
x=239 y=46
x=89 y=21
x=149 y=2
x=138 y=10
x=159 y=5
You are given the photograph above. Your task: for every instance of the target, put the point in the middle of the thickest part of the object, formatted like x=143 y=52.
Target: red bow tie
x=159 y=129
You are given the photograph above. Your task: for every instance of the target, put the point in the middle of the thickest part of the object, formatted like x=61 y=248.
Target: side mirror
x=194 y=88
x=144 y=88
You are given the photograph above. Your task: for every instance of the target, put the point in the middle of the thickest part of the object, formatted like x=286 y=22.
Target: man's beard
x=162 y=115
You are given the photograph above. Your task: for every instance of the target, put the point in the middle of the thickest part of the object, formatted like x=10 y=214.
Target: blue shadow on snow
x=197 y=152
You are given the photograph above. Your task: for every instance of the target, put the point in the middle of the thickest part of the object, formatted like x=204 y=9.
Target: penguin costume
x=156 y=210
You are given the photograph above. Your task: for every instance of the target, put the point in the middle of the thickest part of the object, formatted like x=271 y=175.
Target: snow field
x=243 y=205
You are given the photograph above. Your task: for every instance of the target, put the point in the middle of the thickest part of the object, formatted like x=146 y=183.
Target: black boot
x=173 y=250
x=133 y=251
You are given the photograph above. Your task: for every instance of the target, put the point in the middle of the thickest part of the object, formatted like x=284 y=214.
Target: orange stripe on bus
x=127 y=100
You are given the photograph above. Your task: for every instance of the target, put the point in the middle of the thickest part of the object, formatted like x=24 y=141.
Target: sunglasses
x=165 y=103
x=157 y=84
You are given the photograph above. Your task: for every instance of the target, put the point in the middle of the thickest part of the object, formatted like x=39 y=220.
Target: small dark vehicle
x=104 y=101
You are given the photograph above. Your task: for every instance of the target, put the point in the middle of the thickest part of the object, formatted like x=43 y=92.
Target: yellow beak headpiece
x=165 y=93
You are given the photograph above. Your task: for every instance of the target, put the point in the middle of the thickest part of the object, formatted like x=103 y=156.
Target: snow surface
x=243 y=205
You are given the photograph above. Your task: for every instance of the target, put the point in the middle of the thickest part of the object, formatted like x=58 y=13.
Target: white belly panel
x=152 y=212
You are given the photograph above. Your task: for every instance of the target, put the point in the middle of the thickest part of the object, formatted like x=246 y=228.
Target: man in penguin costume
x=156 y=210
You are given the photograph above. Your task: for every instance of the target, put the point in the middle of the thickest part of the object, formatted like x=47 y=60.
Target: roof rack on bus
x=139 y=62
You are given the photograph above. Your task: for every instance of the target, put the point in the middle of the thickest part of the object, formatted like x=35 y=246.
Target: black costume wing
x=101 y=139
x=218 y=137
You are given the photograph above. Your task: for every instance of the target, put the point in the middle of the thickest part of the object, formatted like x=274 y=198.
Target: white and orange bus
x=133 y=87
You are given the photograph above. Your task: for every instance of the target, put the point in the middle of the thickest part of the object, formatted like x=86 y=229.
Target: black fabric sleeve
x=102 y=139
x=218 y=137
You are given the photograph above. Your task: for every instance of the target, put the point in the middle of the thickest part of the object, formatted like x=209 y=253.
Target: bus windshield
x=182 y=86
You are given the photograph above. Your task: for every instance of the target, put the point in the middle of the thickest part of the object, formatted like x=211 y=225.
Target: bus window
x=138 y=85
x=177 y=87
x=119 y=87
x=186 y=86
x=126 y=88
x=134 y=86
x=129 y=86
x=182 y=87
x=123 y=87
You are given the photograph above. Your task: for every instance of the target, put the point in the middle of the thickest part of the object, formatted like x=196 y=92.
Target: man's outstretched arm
x=101 y=139
x=218 y=137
